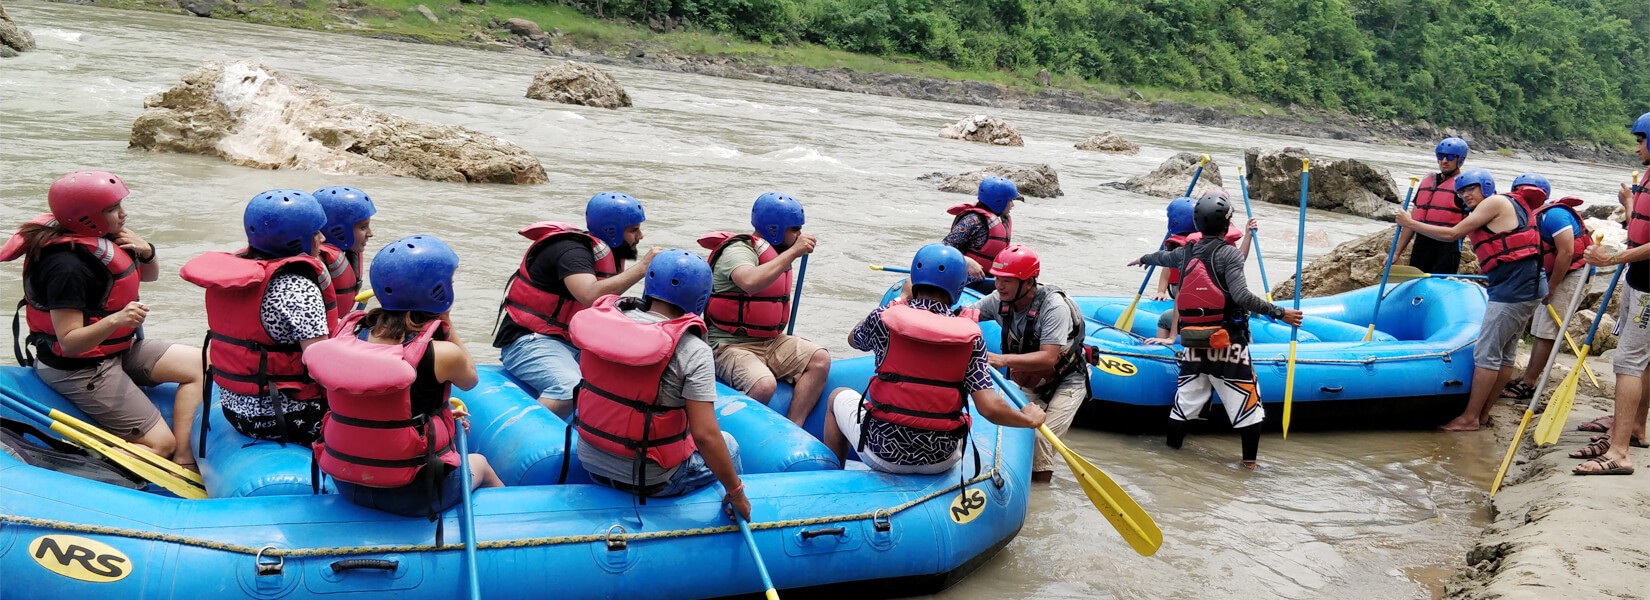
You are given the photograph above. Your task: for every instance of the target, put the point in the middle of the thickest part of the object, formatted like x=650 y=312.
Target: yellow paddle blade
x=1553 y=312
x=1125 y=321
x=1120 y=509
x=1506 y=461
x=1289 y=389
x=1401 y=273
x=1558 y=407
x=135 y=451
x=172 y=483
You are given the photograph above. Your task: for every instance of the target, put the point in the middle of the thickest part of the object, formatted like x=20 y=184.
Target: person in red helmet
x=1042 y=344
x=81 y=270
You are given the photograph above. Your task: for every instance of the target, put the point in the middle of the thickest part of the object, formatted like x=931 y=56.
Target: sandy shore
x=1556 y=535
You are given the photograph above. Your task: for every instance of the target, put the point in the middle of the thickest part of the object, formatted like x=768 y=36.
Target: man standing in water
x=1509 y=252
x=1438 y=203
x=1608 y=455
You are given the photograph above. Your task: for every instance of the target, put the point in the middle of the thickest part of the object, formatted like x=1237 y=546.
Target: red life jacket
x=763 y=314
x=1174 y=241
x=622 y=361
x=1234 y=234
x=370 y=436
x=532 y=306
x=345 y=272
x=1201 y=301
x=1437 y=203
x=1000 y=229
x=1638 y=219
x=121 y=290
x=1495 y=249
x=1583 y=239
x=242 y=357
x=922 y=379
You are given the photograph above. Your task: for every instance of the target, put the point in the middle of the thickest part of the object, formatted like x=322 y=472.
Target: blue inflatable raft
x=264 y=535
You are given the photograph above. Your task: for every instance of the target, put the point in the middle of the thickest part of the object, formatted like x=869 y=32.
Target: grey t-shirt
x=690 y=375
x=1054 y=320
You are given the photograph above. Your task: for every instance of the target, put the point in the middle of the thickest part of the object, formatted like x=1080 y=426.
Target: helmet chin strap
x=1025 y=284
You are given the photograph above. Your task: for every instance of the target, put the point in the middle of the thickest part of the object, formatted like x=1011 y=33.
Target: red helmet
x=1016 y=261
x=78 y=200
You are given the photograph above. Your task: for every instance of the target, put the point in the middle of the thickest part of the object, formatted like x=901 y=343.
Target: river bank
x=1555 y=534
x=667 y=46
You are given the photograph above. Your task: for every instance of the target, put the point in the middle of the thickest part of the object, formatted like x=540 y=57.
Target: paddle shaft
x=1295 y=330
x=1254 y=240
x=462 y=433
x=756 y=555
x=1541 y=385
x=138 y=452
x=184 y=488
x=796 y=299
x=1391 y=253
x=1558 y=408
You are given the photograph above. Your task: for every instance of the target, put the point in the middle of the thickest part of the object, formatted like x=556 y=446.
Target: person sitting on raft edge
x=1509 y=252
x=388 y=373
x=930 y=360
x=563 y=272
x=648 y=425
x=1212 y=308
x=983 y=228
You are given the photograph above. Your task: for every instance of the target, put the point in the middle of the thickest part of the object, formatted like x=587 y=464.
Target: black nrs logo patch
x=80 y=558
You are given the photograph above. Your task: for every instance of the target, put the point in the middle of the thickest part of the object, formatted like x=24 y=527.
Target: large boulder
x=1603 y=340
x=1353 y=265
x=1169 y=179
x=254 y=116
x=983 y=129
x=13 y=39
x=1109 y=143
x=578 y=83
x=1346 y=186
x=524 y=28
x=1038 y=181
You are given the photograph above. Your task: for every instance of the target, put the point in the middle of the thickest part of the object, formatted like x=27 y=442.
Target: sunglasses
x=1442 y=156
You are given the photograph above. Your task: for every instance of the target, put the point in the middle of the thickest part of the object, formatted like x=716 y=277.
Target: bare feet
x=1459 y=425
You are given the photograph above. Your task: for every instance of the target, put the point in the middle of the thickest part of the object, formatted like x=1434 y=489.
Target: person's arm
x=753 y=277
x=1162 y=286
x=1044 y=359
x=1231 y=272
x=1163 y=258
x=864 y=335
x=1604 y=256
x=986 y=307
x=1564 y=244
x=969 y=232
x=708 y=436
x=587 y=289
x=1486 y=211
x=1249 y=232
x=142 y=251
x=986 y=399
x=1405 y=234
x=453 y=363
x=75 y=337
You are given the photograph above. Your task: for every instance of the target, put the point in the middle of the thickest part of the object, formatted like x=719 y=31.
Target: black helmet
x=1213 y=213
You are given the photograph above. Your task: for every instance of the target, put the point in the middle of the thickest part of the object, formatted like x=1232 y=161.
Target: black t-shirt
x=1638 y=275
x=554 y=262
x=65 y=279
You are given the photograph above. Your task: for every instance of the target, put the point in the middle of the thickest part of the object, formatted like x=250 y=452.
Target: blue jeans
x=550 y=365
x=691 y=475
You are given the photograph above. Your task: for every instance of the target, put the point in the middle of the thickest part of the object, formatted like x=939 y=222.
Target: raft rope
x=272 y=552
x=1368 y=360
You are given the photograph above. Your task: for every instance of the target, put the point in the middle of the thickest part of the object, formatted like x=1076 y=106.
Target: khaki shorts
x=109 y=392
x=783 y=358
x=1542 y=325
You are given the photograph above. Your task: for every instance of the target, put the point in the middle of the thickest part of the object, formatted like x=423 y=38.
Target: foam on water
x=72 y=37
x=265 y=134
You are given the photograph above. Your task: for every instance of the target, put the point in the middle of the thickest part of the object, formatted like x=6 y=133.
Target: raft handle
x=1452 y=383
x=1331 y=389
x=350 y=564
x=808 y=534
x=614 y=542
x=266 y=568
x=880 y=520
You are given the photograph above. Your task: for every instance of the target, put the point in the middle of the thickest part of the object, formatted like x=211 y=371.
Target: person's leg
x=842 y=422
x=695 y=473
x=1191 y=393
x=482 y=474
x=744 y=367
x=1540 y=349
x=1501 y=324
x=152 y=362
x=806 y=365
x=548 y=364
x=1061 y=410
x=114 y=402
x=1241 y=397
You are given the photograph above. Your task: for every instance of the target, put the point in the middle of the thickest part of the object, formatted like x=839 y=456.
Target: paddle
x=756 y=555
x=362 y=298
x=462 y=433
x=1523 y=424
x=182 y=486
x=1254 y=240
x=1295 y=330
x=109 y=439
x=796 y=299
x=1406 y=273
x=1125 y=321
x=1558 y=408
x=1591 y=376
x=905 y=270
x=1391 y=252
x=1124 y=514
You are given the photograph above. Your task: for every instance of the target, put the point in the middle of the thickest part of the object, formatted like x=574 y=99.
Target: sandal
x=1633 y=441
x=1605 y=467
x=1593 y=450
x=1597 y=425
x=1518 y=390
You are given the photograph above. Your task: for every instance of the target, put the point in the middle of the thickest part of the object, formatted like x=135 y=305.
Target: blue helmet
x=345 y=206
x=1535 y=179
x=679 y=277
x=610 y=213
x=1180 y=216
x=283 y=223
x=940 y=266
x=1642 y=126
x=414 y=273
x=1452 y=146
x=996 y=192
x=1478 y=177
x=774 y=214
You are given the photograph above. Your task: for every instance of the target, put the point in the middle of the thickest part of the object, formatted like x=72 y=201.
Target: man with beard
x=750 y=306
x=566 y=270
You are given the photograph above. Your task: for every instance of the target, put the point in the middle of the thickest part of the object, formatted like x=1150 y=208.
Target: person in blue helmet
x=1438 y=202
x=648 y=425
x=264 y=304
x=1509 y=252
x=349 y=226
x=1182 y=231
x=750 y=307
x=388 y=372
x=931 y=359
x=983 y=228
x=1564 y=241
x=566 y=269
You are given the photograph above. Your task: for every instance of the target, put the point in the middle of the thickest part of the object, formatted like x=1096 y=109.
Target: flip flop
x=1606 y=467
x=1593 y=450
x=1518 y=390
x=1595 y=425
x=1632 y=441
